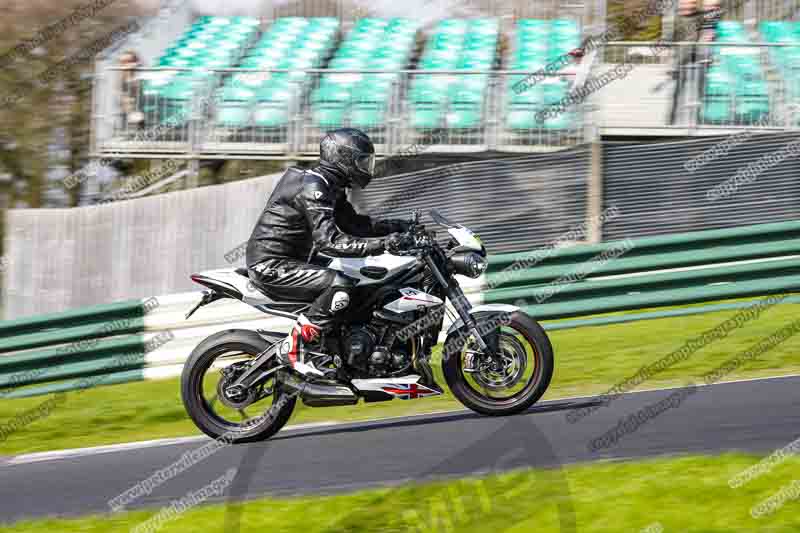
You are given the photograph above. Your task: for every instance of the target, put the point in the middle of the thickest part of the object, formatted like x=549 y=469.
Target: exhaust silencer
x=319 y=394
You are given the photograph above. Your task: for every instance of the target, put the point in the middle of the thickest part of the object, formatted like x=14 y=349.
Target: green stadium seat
x=260 y=62
x=175 y=61
x=426 y=115
x=716 y=110
x=274 y=93
x=373 y=43
x=751 y=110
x=459 y=94
x=214 y=63
x=371 y=93
x=235 y=93
x=203 y=35
x=464 y=116
x=532 y=96
x=717 y=104
x=752 y=100
x=734 y=76
x=180 y=88
x=522 y=117
x=560 y=121
x=329 y=115
x=475 y=82
x=554 y=90
x=437 y=100
x=730 y=27
x=367 y=116
x=235 y=115
x=537 y=43
x=429 y=90
x=270 y=116
x=330 y=93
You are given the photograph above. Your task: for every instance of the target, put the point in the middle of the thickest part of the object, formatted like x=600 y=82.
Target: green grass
x=685 y=494
x=588 y=361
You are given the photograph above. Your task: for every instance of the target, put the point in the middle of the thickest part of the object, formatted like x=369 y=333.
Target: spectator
x=700 y=21
x=132 y=116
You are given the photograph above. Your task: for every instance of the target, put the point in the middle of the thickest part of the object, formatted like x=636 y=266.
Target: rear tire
x=199 y=409
x=535 y=336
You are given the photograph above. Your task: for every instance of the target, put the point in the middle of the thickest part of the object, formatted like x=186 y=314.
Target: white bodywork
x=495 y=308
x=351 y=266
x=466 y=238
x=241 y=283
x=411 y=300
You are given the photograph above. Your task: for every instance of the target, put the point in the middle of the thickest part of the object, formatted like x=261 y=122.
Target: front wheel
x=249 y=416
x=505 y=386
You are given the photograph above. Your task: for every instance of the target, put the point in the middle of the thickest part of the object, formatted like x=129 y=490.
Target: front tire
x=194 y=389
x=520 y=330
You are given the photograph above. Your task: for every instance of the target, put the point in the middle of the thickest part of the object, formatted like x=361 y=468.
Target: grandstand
x=251 y=86
x=269 y=86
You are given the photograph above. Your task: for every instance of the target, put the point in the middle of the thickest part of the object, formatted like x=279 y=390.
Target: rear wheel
x=504 y=387
x=245 y=417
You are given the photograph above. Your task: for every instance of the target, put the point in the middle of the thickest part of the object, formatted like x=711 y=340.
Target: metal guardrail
x=199 y=121
x=652 y=272
x=88 y=344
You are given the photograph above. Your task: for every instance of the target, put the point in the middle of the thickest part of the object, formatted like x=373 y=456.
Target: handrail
x=701 y=43
x=320 y=70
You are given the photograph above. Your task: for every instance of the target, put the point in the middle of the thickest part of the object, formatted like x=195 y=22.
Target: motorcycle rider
x=309 y=213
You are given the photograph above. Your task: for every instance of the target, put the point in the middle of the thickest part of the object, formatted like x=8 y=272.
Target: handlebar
x=415 y=240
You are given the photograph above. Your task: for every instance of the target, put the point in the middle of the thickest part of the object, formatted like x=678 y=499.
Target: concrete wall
x=65 y=258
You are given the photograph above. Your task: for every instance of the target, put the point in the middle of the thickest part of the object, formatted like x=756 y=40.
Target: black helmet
x=351 y=152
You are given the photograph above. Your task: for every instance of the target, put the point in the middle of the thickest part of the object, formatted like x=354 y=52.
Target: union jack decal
x=410 y=391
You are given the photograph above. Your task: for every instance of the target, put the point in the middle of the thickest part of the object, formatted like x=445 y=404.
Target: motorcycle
x=496 y=359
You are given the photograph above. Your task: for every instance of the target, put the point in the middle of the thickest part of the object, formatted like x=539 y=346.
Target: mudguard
x=483 y=309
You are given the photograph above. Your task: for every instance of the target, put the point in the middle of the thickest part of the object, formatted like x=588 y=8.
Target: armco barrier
x=131 y=357
x=80 y=343
x=652 y=272
x=150 y=339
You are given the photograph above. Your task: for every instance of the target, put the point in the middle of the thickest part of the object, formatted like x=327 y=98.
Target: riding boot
x=321 y=319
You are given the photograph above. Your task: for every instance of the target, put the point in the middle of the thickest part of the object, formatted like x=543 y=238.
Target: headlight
x=469 y=264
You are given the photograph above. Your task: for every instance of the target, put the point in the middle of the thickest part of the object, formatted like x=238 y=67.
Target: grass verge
x=686 y=494
x=588 y=361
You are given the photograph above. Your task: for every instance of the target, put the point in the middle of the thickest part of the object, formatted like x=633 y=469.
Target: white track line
x=113 y=448
x=38 y=457
x=697 y=267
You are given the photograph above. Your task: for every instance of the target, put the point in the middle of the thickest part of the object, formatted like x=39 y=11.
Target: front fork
x=463 y=307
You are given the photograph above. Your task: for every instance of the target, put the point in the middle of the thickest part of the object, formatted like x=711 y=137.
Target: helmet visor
x=366 y=163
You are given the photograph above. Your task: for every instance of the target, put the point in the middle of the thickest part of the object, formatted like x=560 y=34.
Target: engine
x=367 y=352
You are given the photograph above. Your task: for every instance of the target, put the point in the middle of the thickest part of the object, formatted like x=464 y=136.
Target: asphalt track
x=755 y=416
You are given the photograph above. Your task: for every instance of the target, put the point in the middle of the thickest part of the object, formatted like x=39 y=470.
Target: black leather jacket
x=309 y=209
